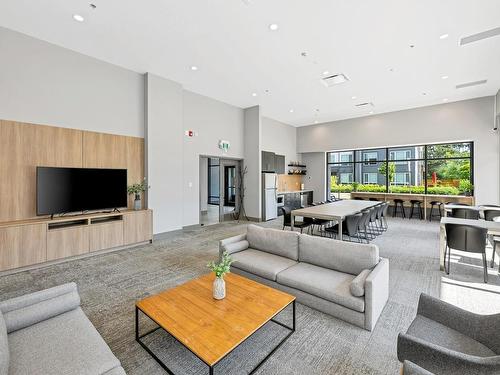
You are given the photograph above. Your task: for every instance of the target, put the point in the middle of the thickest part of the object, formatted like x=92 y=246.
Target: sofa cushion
x=65 y=344
x=21 y=312
x=439 y=334
x=235 y=246
x=261 y=263
x=357 y=286
x=337 y=255
x=322 y=282
x=4 y=347
x=277 y=242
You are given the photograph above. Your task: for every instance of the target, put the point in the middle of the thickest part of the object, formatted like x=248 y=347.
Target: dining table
x=336 y=211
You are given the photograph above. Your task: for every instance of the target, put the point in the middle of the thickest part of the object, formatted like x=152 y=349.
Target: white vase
x=219 y=288
x=137 y=202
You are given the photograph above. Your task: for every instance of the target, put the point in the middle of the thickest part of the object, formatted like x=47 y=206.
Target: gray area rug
x=110 y=284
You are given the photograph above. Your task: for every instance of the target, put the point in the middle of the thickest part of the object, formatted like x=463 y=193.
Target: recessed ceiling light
x=444 y=77
x=444 y=36
x=424 y=93
x=353 y=97
x=371 y=112
x=194 y=68
x=445 y=99
x=316 y=121
x=78 y=18
x=254 y=94
x=273 y=27
x=291 y=111
x=267 y=91
x=326 y=72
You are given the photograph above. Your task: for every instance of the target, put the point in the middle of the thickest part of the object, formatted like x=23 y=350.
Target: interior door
x=229 y=189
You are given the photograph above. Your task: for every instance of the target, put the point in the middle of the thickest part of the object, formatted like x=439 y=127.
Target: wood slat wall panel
x=24 y=146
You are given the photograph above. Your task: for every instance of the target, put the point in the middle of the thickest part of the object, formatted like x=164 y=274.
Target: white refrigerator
x=269 y=203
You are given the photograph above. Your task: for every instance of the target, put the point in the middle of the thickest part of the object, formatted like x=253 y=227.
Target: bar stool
x=418 y=204
x=439 y=205
x=398 y=203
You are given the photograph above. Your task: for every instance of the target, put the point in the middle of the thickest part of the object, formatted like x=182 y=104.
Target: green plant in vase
x=137 y=189
x=220 y=269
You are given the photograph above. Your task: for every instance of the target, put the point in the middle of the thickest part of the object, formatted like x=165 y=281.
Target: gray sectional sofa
x=347 y=280
x=47 y=333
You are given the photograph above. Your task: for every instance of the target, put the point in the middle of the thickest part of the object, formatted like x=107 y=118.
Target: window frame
x=353 y=154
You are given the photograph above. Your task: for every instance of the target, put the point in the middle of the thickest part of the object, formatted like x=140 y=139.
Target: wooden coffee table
x=212 y=329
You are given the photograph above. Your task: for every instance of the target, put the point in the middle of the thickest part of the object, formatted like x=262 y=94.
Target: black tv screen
x=61 y=190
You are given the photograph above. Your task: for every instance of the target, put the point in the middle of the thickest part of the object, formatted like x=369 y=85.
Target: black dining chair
x=468 y=238
x=321 y=223
x=349 y=227
x=465 y=213
x=489 y=215
x=363 y=224
x=287 y=220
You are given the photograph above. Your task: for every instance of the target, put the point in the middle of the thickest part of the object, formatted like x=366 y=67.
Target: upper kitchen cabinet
x=268 y=162
x=273 y=163
x=279 y=164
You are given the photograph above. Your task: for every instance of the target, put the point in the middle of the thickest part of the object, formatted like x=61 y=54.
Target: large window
x=443 y=169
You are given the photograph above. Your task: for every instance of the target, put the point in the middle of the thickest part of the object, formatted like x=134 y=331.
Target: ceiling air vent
x=364 y=105
x=480 y=36
x=469 y=84
x=335 y=79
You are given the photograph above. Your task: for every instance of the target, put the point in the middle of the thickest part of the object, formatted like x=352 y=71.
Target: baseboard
x=69 y=259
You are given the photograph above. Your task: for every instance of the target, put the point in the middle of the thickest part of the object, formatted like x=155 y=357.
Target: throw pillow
x=358 y=284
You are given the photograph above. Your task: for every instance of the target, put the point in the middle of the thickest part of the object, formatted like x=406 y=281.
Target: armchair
x=446 y=340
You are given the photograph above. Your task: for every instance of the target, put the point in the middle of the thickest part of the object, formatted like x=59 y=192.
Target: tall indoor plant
x=220 y=269
x=137 y=189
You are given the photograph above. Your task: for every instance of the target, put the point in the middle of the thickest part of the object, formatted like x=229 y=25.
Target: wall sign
x=224 y=145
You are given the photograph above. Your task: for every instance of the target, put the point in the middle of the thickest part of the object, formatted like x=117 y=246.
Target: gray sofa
x=347 y=280
x=47 y=333
x=447 y=340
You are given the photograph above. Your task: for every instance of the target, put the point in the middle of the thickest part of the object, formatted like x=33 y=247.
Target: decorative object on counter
x=241 y=212
x=137 y=189
x=220 y=269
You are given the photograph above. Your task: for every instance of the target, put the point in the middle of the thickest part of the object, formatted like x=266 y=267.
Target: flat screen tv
x=63 y=190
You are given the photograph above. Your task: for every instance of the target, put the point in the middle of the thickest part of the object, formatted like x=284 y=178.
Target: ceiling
x=237 y=54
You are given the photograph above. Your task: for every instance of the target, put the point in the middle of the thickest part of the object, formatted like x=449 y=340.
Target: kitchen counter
x=294 y=191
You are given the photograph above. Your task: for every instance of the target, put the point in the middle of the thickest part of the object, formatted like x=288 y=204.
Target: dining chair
x=490 y=215
x=465 y=213
x=467 y=238
x=349 y=227
x=287 y=220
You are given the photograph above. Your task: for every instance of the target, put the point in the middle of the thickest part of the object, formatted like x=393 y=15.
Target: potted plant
x=220 y=269
x=137 y=189
x=465 y=187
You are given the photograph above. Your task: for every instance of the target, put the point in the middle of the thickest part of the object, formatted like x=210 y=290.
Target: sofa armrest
x=230 y=240
x=470 y=324
x=443 y=361
x=24 y=311
x=376 y=293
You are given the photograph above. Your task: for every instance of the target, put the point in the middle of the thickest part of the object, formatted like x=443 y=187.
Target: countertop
x=294 y=191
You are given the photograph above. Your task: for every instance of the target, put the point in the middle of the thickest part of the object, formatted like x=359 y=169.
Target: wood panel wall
x=25 y=146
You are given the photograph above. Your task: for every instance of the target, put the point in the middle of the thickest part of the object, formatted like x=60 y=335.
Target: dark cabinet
x=279 y=164
x=292 y=200
x=268 y=161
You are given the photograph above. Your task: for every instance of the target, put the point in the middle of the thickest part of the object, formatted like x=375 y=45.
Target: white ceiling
x=237 y=54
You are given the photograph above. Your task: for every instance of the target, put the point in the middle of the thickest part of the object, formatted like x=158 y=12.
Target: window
x=401 y=156
x=370 y=178
x=370 y=157
x=346 y=178
x=443 y=169
x=346 y=157
x=401 y=178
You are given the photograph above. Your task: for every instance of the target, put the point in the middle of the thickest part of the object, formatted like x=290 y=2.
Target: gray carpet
x=110 y=284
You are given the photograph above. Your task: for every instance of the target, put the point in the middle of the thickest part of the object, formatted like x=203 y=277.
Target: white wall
x=253 y=182
x=279 y=138
x=316 y=174
x=212 y=120
x=164 y=134
x=468 y=120
x=46 y=84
